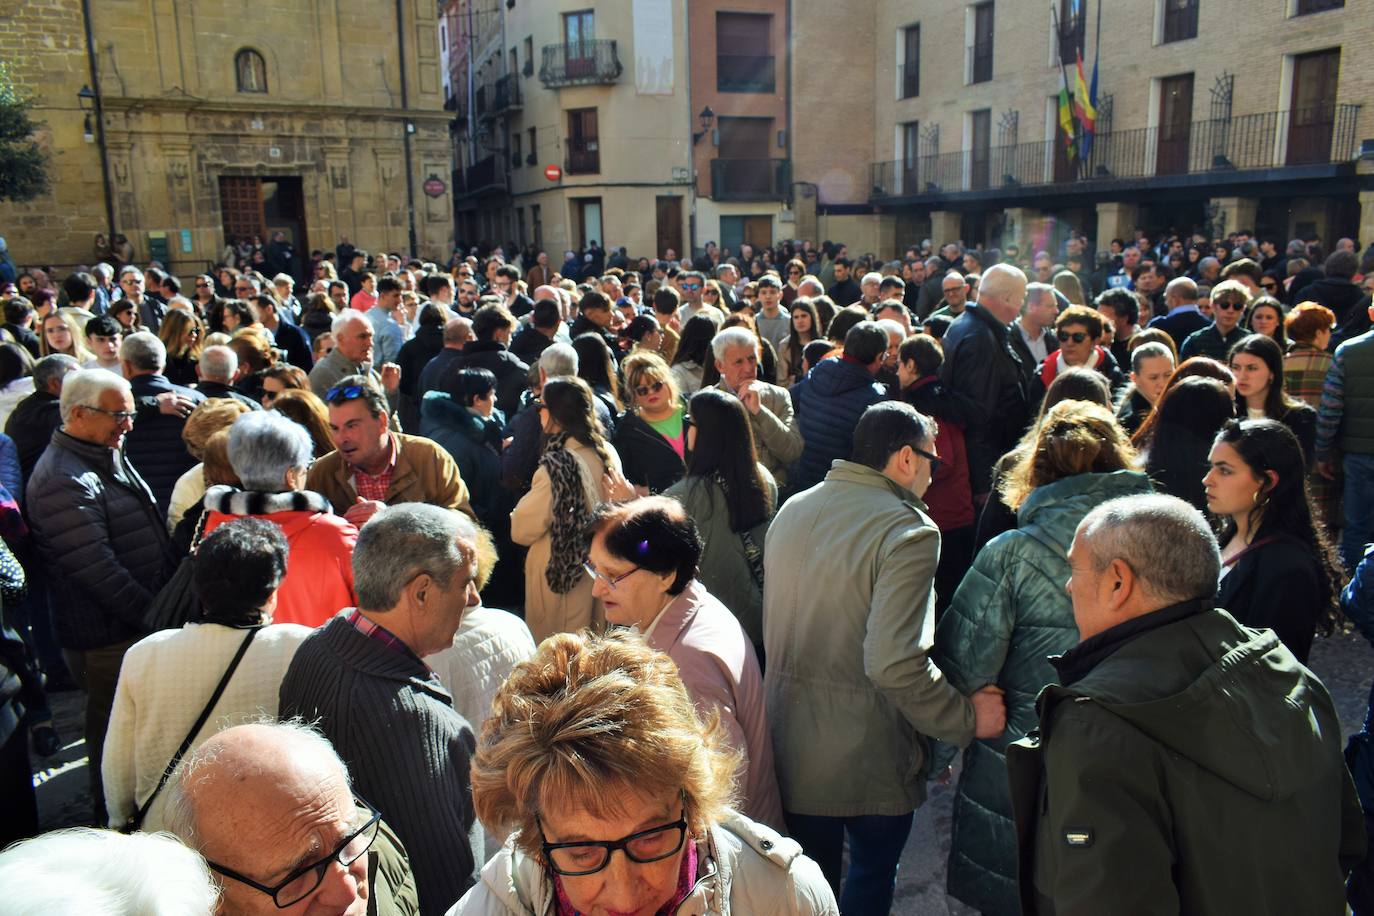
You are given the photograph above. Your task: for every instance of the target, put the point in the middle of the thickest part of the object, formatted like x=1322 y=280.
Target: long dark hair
x=725 y=450
x=1276 y=401
x=570 y=405
x=595 y=366
x=795 y=345
x=695 y=343
x=1193 y=367
x=1186 y=419
x=1284 y=506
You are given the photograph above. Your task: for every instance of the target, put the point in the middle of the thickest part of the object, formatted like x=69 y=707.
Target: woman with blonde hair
x=578 y=470
x=181 y=332
x=61 y=333
x=1011 y=613
x=213 y=415
x=1067 y=282
x=651 y=437
x=617 y=796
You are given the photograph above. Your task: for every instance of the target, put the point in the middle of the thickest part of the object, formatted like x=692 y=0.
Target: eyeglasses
x=691 y=286
x=1269 y=286
x=651 y=388
x=932 y=458
x=340 y=393
x=302 y=882
x=652 y=845
x=610 y=583
x=710 y=292
x=119 y=415
x=1229 y=306
x=1075 y=336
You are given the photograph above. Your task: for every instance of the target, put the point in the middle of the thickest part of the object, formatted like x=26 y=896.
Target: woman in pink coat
x=643 y=564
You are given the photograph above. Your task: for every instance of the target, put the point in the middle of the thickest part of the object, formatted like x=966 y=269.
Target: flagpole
x=1064 y=81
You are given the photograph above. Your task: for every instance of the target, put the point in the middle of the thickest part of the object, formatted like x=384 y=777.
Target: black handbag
x=136 y=821
x=178 y=602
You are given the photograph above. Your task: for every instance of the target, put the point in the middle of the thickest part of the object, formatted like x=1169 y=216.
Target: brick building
x=220 y=121
x=1216 y=113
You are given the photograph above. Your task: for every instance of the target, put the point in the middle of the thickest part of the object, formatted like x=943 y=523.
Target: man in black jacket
x=216 y=369
x=1338 y=292
x=19 y=322
x=155 y=445
x=103 y=543
x=545 y=324
x=37 y=417
x=982 y=368
x=492 y=326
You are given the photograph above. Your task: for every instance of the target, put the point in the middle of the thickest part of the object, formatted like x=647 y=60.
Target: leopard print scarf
x=571 y=537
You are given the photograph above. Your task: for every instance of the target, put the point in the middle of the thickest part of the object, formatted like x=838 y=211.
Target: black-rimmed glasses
x=119 y=416
x=587 y=858
x=302 y=882
x=929 y=456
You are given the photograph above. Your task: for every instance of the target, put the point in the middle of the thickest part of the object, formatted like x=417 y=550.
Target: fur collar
x=229 y=501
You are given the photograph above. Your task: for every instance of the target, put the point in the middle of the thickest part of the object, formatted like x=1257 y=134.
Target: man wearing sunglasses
x=270 y=808
x=1229 y=299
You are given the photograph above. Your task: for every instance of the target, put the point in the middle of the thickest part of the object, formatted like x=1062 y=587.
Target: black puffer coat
x=647 y=459
x=154 y=445
x=102 y=540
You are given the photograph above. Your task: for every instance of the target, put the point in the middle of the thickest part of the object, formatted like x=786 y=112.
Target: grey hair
x=181 y=302
x=197 y=768
x=733 y=337
x=1149 y=351
x=129 y=269
x=1034 y=290
x=342 y=319
x=107 y=872
x=144 y=351
x=84 y=387
x=104 y=270
x=264 y=445
x=871 y=277
x=52 y=366
x=218 y=364
x=558 y=359
x=401 y=542
x=1165 y=541
x=892 y=326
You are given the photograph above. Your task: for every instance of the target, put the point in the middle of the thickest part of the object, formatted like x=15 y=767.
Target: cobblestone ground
x=1345 y=663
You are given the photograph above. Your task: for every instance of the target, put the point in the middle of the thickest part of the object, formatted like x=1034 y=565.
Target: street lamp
x=707 y=118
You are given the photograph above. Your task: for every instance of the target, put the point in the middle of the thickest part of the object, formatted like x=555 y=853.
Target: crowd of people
x=652 y=586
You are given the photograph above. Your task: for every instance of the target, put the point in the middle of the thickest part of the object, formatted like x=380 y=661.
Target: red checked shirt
x=373 y=487
x=382 y=635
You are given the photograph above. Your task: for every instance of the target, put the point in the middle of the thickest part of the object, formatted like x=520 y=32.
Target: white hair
x=181 y=302
x=871 y=277
x=103 y=270
x=558 y=359
x=342 y=319
x=144 y=351
x=264 y=445
x=892 y=326
x=84 y=387
x=730 y=338
x=86 y=872
x=218 y=364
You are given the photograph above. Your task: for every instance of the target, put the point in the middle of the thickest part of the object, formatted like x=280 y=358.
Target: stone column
x=1115 y=220
x=1366 y=217
x=945 y=226
x=1235 y=213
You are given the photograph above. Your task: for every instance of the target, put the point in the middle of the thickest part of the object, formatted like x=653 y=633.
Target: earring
x=1256 y=498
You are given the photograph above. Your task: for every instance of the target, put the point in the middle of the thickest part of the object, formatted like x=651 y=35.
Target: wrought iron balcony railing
x=580 y=63
x=750 y=179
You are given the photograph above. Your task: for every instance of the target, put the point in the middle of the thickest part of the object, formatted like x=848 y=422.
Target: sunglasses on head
x=1076 y=336
x=340 y=393
x=652 y=388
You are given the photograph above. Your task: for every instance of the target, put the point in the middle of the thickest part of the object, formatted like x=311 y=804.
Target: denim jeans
x=875 y=847
x=1358 y=508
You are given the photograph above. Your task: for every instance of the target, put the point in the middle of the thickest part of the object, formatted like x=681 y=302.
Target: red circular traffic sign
x=553 y=172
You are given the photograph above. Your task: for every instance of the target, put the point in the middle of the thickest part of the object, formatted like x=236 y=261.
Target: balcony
x=1180 y=20
x=485 y=176
x=750 y=179
x=980 y=62
x=1203 y=153
x=580 y=63
x=584 y=157
x=745 y=73
x=503 y=95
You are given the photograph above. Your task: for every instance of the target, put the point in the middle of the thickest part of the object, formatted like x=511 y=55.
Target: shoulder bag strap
x=137 y=820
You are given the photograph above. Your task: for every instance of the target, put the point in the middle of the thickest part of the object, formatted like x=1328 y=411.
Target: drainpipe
x=407 y=127
x=99 y=121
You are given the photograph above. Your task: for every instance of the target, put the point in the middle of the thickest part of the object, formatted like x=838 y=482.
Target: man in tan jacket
x=371 y=466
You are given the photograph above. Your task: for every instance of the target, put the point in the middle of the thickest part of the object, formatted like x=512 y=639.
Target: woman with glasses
x=1257 y=364
x=596 y=718
x=181 y=332
x=1078 y=328
x=1011 y=613
x=792 y=277
x=805 y=327
x=578 y=470
x=1266 y=317
x=279 y=378
x=731 y=497
x=711 y=295
x=167 y=678
x=644 y=562
x=651 y=437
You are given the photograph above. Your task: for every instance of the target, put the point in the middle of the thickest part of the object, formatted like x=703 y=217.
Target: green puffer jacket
x=1009 y=615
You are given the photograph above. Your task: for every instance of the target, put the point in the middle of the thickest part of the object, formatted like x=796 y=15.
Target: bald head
x=1180 y=291
x=457 y=332
x=1001 y=291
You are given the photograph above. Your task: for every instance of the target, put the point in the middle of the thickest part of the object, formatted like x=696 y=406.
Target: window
x=533 y=157
x=744 y=59
x=980 y=149
x=1175 y=125
x=516 y=159
x=584 y=147
x=536 y=226
x=579 y=37
x=1180 y=20
x=1312 y=107
x=910 y=74
x=1071 y=31
x=251 y=71
x=529 y=56
x=443 y=37
x=980 y=53
x=911 y=144
x=1305 y=7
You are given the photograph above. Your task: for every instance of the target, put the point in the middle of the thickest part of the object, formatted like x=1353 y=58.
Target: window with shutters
x=251 y=71
x=744 y=57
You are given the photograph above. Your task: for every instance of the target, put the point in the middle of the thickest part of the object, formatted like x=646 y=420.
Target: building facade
x=1219 y=114
x=319 y=121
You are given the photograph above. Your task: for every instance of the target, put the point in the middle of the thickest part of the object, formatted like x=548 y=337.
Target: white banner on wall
x=653 y=34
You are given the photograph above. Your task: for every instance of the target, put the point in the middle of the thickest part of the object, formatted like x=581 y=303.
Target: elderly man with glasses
x=271 y=808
